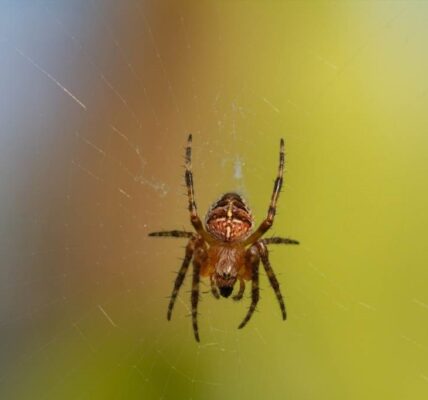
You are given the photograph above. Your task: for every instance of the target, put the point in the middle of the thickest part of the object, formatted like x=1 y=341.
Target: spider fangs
x=227 y=250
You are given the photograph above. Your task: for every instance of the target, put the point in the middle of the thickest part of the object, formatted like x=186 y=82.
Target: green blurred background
x=96 y=101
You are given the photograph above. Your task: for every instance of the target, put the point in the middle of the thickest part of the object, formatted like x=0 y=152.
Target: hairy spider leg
x=241 y=291
x=279 y=240
x=271 y=276
x=188 y=175
x=268 y=221
x=180 y=276
x=253 y=260
x=214 y=289
x=200 y=257
x=175 y=233
x=194 y=297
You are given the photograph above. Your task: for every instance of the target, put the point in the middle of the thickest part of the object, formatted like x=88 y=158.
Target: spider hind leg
x=253 y=261
x=194 y=298
x=180 y=276
x=271 y=276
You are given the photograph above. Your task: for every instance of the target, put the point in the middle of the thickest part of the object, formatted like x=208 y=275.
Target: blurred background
x=96 y=101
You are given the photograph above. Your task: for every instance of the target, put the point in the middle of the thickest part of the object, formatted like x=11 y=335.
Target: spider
x=227 y=250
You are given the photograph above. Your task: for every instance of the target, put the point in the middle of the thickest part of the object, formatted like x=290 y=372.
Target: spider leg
x=253 y=260
x=194 y=217
x=271 y=276
x=240 y=294
x=279 y=240
x=180 y=276
x=268 y=221
x=195 y=298
x=175 y=233
x=199 y=259
x=214 y=289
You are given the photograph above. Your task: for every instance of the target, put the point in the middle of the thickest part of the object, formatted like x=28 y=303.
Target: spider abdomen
x=229 y=218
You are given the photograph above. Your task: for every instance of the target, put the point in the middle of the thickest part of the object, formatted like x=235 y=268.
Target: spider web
x=99 y=100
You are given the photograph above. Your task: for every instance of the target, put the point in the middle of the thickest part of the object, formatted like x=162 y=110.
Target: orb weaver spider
x=227 y=250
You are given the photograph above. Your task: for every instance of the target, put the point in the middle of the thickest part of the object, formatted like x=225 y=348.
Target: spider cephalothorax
x=222 y=266
x=228 y=250
x=229 y=219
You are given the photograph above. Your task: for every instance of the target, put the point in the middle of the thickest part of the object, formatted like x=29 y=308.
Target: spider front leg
x=271 y=276
x=279 y=240
x=268 y=222
x=194 y=217
x=253 y=261
x=175 y=233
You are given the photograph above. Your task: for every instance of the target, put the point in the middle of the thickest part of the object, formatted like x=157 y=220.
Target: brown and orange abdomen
x=229 y=219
